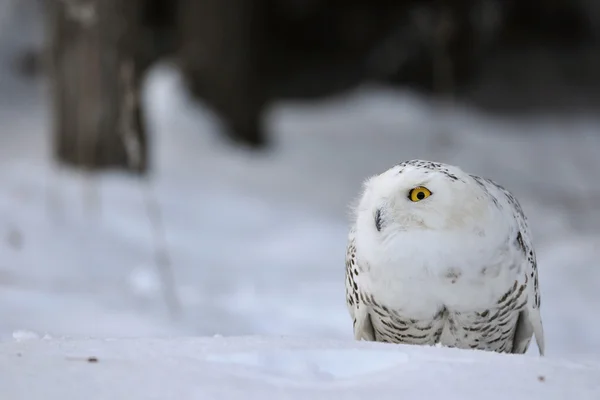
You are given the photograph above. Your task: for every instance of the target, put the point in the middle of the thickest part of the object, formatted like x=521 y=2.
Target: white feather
x=460 y=249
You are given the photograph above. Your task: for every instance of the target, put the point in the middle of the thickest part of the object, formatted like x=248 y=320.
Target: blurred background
x=186 y=167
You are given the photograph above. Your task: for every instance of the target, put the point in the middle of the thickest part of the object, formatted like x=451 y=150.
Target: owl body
x=451 y=264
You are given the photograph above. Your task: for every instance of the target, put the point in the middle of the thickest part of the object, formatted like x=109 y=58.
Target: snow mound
x=277 y=368
x=326 y=364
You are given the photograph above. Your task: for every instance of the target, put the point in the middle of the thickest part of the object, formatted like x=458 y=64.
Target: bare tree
x=96 y=60
x=222 y=57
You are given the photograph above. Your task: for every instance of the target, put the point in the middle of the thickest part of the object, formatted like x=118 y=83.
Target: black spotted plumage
x=507 y=325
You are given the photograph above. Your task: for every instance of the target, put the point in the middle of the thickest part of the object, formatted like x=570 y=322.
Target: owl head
x=421 y=195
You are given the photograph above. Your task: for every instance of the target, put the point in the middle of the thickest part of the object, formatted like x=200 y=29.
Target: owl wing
x=363 y=327
x=530 y=320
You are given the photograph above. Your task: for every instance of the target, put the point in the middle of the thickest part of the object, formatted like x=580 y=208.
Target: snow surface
x=256 y=243
x=280 y=368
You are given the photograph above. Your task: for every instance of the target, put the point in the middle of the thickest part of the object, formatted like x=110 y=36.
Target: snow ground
x=257 y=241
x=280 y=368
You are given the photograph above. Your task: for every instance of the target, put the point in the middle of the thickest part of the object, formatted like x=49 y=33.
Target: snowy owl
x=436 y=255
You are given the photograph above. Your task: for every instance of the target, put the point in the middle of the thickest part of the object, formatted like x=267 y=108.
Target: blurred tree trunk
x=97 y=57
x=222 y=57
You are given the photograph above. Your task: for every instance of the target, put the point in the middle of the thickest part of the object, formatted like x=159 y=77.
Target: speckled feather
x=460 y=274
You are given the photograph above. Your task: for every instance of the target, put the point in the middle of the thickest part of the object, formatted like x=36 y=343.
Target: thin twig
x=91 y=193
x=161 y=251
x=133 y=148
x=131 y=141
x=54 y=203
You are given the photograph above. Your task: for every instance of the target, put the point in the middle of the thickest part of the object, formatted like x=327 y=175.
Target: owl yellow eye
x=419 y=193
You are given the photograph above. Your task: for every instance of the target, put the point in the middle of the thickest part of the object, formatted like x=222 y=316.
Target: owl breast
x=490 y=328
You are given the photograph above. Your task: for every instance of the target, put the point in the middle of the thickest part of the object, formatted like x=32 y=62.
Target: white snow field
x=256 y=245
x=280 y=368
